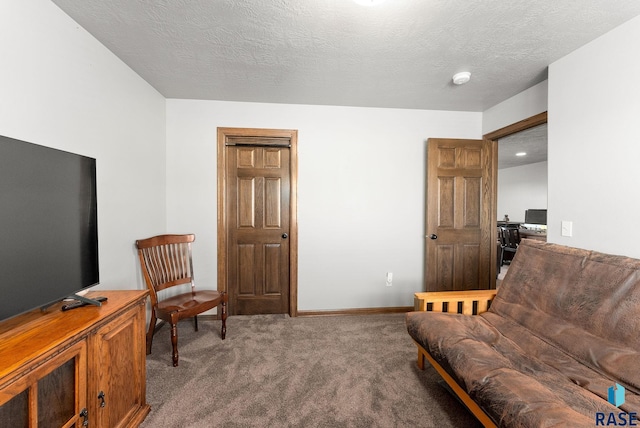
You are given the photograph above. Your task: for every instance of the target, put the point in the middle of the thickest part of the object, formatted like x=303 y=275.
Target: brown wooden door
x=460 y=223
x=258 y=195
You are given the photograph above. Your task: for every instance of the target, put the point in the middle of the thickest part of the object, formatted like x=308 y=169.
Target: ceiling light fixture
x=368 y=2
x=521 y=154
x=461 y=78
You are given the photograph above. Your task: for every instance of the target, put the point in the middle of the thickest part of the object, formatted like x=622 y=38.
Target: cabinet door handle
x=101 y=398
x=84 y=414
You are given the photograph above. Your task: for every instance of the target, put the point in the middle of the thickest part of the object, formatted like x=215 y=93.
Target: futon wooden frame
x=470 y=302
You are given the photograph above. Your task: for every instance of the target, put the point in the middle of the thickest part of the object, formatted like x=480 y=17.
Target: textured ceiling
x=532 y=141
x=334 y=52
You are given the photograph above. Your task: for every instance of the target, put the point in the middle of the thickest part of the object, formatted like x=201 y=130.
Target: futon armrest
x=467 y=302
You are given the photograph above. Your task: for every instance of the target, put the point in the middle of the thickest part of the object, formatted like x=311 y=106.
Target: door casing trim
x=293 y=205
x=522 y=125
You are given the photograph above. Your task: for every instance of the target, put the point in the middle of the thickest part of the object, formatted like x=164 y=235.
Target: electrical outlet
x=389 y=279
x=566 y=228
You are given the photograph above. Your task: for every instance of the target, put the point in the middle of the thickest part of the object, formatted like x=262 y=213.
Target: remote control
x=79 y=303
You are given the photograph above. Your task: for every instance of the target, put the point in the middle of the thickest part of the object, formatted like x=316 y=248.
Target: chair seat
x=188 y=300
x=201 y=300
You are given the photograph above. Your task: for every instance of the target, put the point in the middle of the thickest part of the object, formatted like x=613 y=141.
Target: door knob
x=285 y=236
x=433 y=236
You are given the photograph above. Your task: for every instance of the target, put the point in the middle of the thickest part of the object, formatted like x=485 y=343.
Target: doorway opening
x=521 y=193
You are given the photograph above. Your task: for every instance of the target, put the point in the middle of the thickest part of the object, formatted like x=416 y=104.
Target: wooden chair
x=166 y=262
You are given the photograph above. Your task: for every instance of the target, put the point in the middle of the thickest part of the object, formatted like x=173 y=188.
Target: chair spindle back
x=166 y=262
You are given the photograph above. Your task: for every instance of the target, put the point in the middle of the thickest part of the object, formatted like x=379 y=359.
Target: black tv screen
x=48 y=225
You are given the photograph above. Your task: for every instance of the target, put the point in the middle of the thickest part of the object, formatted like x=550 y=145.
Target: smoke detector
x=461 y=78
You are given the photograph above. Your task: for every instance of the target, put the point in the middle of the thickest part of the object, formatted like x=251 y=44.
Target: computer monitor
x=536 y=216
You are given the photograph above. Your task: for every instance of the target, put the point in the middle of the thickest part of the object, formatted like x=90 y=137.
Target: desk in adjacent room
x=533 y=234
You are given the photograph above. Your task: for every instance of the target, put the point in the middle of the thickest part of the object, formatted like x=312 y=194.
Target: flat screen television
x=48 y=226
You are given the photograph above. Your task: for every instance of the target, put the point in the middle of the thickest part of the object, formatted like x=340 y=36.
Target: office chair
x=509 y=241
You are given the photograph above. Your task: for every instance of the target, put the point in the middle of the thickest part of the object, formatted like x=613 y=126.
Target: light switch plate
x=389 y=279
x=567 y=228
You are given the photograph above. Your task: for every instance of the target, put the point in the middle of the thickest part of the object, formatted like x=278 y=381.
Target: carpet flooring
x=277 y=371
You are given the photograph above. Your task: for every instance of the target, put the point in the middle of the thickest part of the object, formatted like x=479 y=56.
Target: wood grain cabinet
x=84 y=367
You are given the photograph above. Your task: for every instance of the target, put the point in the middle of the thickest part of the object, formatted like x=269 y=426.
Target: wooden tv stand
x=84 y=365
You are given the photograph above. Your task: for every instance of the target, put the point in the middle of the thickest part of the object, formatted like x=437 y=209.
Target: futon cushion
x=517 y=378
x=584 y=302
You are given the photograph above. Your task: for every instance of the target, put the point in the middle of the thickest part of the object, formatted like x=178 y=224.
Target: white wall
x=521 y=106
x=360 y=192
x=521 y=188
x=594 y=143
x=60 y=88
